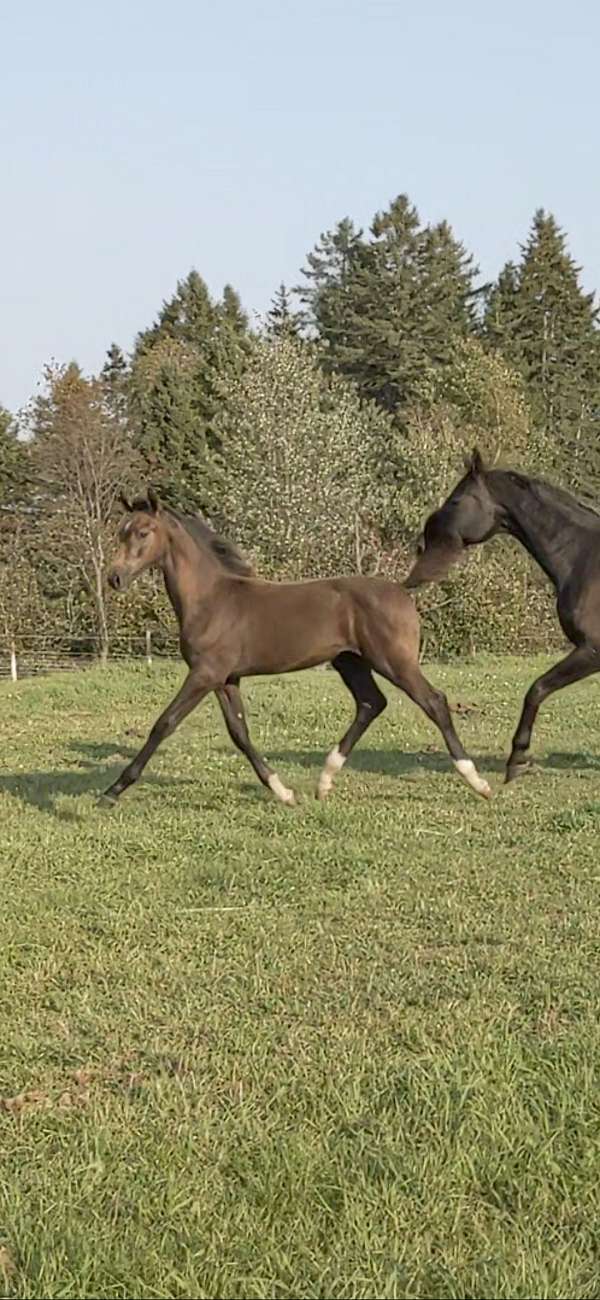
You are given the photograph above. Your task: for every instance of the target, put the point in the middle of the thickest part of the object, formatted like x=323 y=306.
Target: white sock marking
x=281 y=790
x=469 y=773
x=333 y=763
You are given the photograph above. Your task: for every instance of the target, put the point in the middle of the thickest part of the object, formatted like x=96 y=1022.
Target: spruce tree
x=169 y=428
x=115 y=379
x=282 y=320
x=188 y=317
x=380 y=350
x=502 y=312
x=181 y=370
x=547 y=327
x=327 y=271
x=231 y=311
x=389 y=307
x=446 y=291
x=14 y=472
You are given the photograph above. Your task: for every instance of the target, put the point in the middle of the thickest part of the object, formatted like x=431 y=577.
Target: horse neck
x=189 y=572
x=549 y=532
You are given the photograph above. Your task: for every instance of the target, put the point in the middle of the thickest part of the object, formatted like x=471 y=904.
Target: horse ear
x=474 y=463
x=153 y=501
x=125 y=503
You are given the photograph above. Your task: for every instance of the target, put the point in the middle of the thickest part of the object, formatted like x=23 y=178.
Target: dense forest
x=319 y=440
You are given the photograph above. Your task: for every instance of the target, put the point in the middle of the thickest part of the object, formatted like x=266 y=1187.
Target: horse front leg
x=232 y=708
x=580 y=663
x=195 y=687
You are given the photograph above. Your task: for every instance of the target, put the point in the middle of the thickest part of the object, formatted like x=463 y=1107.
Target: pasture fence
x=34 y=656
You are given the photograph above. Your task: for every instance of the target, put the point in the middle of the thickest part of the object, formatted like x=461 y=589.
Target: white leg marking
x=333 y=763
x=281 y=790
x=469 y=773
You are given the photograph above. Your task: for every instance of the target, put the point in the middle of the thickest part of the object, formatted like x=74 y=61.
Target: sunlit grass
x=344 y=1050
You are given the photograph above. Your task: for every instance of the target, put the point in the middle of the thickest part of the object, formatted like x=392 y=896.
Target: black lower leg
x=192 y=692
x=370 y=701
x=580 y=663
x=232 y=708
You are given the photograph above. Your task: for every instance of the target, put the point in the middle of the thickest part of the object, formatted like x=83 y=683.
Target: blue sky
x=140 y=139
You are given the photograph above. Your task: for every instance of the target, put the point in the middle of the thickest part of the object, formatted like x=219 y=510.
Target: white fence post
x=13 y=663
x=148 y=647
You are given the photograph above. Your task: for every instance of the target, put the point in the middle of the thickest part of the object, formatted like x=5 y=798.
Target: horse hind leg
x=409 y=678
x=370 y=702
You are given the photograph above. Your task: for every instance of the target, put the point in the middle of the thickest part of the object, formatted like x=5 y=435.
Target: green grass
x=344 y=1050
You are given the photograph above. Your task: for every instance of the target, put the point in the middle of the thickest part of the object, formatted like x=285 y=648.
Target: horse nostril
x=114 y=580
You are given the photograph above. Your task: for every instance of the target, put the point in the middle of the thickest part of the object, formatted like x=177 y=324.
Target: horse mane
x=547 y=494
x=225 y=551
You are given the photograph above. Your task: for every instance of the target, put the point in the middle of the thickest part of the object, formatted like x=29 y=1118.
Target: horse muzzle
x=119 y=579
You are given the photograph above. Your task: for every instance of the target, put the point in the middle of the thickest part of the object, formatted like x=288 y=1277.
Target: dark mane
x=547 y=495
x=225 y=551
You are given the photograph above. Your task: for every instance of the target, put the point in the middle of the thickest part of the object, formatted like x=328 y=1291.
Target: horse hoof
x=518 y=769
x=281 y=791
x=107 y=799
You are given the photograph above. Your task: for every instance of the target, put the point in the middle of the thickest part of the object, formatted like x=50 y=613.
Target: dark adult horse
x=561 y=533
x=233 y=625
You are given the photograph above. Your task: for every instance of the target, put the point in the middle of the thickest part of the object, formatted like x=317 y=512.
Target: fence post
x=13 y=663
x=148 y=647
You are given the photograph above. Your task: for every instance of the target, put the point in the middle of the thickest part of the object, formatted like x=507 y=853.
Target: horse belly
x=289 y=657
x=290 y=635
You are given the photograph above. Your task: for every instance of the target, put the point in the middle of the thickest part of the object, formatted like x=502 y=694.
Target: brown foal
x=233 y=624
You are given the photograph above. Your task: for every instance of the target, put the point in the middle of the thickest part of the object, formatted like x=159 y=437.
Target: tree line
x=317 y=440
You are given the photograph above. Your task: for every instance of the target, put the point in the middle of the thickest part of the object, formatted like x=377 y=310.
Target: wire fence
x=35 y=656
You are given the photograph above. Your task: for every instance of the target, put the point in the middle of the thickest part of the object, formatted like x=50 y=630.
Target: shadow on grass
x=42 y=789
x=394 y=762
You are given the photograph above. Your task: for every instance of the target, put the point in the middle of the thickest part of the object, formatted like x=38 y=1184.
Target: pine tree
x=547 y=327
x=181 y=370
x=391 y=306
x=14 y=474
x=231 y=311
x=170 y=430
x=446 y=287
x=222 y=361
x=282 y=320
x=379 y=344
x=115 y=379
x=189 y=316
x=223 y=358
x=327 y=271
x=501 y=312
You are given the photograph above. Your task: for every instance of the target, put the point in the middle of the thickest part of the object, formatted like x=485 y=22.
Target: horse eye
x=144 y=532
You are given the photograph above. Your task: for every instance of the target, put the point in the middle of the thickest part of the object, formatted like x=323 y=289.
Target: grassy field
x=343 y=1050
